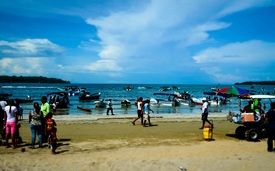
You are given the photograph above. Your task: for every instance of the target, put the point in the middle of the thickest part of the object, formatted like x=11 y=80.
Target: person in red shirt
x=51 y=132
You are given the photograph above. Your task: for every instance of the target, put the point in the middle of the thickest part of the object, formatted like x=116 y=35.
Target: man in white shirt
x=204 y=115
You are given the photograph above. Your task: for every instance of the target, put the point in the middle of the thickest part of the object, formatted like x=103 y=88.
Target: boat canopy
x=262 y=96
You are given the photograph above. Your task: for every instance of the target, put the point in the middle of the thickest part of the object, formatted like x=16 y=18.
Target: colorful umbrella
x=235 y=91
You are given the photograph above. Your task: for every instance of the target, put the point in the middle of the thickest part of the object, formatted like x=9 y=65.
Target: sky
x=139 y=41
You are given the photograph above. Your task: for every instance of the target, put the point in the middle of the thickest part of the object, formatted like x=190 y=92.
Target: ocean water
x=117 y=93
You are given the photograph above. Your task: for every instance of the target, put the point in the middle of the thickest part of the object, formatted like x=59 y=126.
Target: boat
x=125 y=103
x=58 y=99
x=5 y=96
x=165 y=88
x=73 y=90
x=100 y=104
x=161 y=102
x=128 y=88
x=86 y=96
x=84 y=109
x=26 y=100
x=176 y=88
x=212 y=102
x=144 y=87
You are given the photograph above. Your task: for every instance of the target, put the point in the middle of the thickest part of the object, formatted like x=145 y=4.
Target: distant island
x=256 y=83
x=31 y=79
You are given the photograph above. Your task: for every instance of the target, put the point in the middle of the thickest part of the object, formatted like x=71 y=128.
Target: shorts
x=204 y=116
x=10 y=128
x=145 y=117
x=139 y=112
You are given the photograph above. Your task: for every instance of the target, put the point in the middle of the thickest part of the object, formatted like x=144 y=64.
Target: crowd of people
x=40 y=120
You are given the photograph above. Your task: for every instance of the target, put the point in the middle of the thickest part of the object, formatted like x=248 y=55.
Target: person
x=204 y=116
x=35 y=118
x=3 y=104
x=270 y=123
x=257 y=108
x=19 y=110
x=248 y=107
x=45 y=110
x=139 y=111
x=110 y=108
x=45 y=106
x=146 y=112
x=51 y=132
x=11 y=120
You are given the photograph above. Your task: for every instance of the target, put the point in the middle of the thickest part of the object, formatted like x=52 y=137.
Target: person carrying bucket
x=204 y=116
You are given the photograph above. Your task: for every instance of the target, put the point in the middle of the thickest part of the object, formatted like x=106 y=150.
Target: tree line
x=30 y=79
x=256 y=83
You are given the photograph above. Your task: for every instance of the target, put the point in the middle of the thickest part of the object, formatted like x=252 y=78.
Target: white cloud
x=250 y=52
x=235 y=6
x=237 y=61
x=26 y=65
x=103 y=66
x=154 y=31
x=29 y=47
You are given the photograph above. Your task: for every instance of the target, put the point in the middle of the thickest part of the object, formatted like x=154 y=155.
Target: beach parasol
x=235 y=91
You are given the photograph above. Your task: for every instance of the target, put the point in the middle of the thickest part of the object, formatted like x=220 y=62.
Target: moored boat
x=58 y=99
x=125 y=103
x=86 y=96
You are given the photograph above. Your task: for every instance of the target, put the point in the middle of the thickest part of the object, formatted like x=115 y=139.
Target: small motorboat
x=100 y=104
x=125 y=103
x=86 y=96
x=58 y=99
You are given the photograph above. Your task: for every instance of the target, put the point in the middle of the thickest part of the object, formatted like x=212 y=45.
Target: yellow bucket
x=208 y=132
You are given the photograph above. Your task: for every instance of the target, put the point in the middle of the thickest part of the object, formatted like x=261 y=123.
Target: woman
x=11 y=120
x=35 y=118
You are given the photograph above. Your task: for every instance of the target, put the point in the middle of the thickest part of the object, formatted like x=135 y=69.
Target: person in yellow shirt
x=45 y=110
x=45 y=106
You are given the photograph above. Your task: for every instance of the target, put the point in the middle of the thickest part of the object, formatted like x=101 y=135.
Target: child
x=146 y=110
x=51 y=132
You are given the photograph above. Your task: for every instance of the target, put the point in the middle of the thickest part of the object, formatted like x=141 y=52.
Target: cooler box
x=248 y=117
x=208 y=132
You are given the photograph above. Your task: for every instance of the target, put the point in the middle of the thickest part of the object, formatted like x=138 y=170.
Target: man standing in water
x=110 y=107
x=204 y=115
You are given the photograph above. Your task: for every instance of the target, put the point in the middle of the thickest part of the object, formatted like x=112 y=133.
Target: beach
x=113 y=143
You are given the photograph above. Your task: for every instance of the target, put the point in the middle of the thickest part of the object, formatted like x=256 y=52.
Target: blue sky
x=139 y=41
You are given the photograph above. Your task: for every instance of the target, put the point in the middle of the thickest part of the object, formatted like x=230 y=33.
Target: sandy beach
x=112 y=143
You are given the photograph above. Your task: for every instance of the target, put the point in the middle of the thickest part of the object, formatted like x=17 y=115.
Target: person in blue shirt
x=146 y=110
